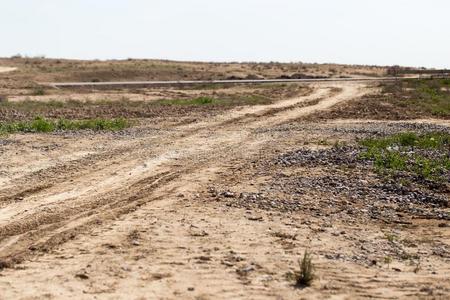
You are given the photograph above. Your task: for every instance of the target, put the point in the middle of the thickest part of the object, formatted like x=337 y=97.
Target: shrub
x=39 y=91
x=306 y=274
x=41 y=125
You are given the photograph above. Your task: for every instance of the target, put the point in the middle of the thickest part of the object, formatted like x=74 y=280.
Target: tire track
x=49 y=218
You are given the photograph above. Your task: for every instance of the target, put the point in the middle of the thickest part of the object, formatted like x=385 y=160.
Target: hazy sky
x=386 y=32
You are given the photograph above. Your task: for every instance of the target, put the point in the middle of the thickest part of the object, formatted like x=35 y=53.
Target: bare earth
x=134 y=216
x=7 y=69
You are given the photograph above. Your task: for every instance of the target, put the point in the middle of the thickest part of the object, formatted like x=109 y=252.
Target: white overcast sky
x=383 y=32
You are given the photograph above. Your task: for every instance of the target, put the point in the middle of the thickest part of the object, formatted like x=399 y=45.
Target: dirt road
x=126 y=215
x=219 y=82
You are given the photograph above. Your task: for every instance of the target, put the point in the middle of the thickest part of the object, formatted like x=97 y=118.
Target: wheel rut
x=121 y=180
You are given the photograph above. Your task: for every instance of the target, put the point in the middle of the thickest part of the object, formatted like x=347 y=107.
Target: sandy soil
x=7 y=69
x=129 y=215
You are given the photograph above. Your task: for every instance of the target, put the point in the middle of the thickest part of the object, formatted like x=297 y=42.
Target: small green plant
x=306 y=275
x=417 y=266
x=390 y=237
x=324 y=143
x=388 y=260
x=39 y=91
x=340 y=144
x=42 y=125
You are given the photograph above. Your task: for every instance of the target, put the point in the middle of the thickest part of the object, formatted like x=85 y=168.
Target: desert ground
x=217 y=191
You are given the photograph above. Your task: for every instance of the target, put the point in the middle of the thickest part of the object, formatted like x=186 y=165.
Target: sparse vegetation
x=251 y=99
x=425 y=156
x=194 y=101
x=27 y=109
x=390 y=237
x=40 y=124
x=388 y=261
x=38 y=91
x=431 y=96
x=417 y=266
x=398 y=100
x=306 y=275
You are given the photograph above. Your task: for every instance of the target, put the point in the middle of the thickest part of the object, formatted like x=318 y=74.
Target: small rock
x=126 y=268
x=244 y=271
x=228 y=194
x=204 y=258
x=255 y=218
x=227 y=263
x=198 y=233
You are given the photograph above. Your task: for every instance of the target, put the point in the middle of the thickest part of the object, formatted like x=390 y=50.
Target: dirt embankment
x=38 y=70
